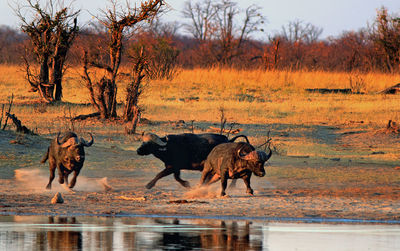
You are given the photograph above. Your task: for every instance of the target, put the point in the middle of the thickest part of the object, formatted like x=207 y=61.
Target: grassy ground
x=330 y=149
x=258 y=96
x=301 y=123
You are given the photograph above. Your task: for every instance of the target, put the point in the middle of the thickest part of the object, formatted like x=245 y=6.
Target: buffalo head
x=255 y=160
x=151 y=144
x=74 y=154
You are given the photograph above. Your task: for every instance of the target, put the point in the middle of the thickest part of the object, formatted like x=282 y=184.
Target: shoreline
x=217 y=217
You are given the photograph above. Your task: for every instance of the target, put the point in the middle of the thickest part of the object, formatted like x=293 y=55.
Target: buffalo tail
x=46 y=156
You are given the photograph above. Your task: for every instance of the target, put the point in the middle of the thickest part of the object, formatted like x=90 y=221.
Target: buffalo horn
x=263 y=156
x=69 y=142
x=255 y=155
x=83 y=142
x=151 y=137
x=250 y=156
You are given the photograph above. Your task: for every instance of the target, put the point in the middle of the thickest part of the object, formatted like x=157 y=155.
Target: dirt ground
x=352 y=185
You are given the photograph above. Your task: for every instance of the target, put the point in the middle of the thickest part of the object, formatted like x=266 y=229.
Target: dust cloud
x=35 y=181
x=202 y=192
x=233 y=189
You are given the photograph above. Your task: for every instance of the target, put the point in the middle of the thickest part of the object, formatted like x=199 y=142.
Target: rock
x=57 y=198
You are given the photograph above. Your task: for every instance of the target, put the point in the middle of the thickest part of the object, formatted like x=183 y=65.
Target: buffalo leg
x=163 y=173
x=73 y=181
x=52 y=167
x=246 y=180
x=213 y=179
x=205 y=176
x=177 y=175
x=60 y=175
x=224 y=182
x=66 y=179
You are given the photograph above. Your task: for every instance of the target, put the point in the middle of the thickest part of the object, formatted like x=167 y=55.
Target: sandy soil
x=113 y=180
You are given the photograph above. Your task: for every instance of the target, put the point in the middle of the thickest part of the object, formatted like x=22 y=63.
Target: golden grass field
x=252 y=96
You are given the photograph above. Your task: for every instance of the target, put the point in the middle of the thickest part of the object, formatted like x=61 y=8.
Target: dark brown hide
x=233 y=161
x=186 y=151
x=66 y=155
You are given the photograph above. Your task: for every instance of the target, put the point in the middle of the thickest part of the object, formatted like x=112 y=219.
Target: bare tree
x=386 y=35
x=132 y=110
x=216 y=26
x=298 y=36
x=298 y=31
x=51 y=29
x=116 y=20
x=201 y=15
x=271 y=53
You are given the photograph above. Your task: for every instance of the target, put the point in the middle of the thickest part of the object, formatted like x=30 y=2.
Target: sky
x=334 y=16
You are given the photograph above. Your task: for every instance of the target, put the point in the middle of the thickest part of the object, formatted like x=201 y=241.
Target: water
x=138 y=233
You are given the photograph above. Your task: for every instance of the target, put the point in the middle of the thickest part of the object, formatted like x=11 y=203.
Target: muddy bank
x=128 y=196
x=294 y=187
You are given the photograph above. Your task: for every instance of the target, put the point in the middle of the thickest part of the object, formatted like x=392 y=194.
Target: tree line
x=221 y=34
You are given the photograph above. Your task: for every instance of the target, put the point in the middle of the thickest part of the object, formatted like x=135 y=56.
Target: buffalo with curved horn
x=186 y=151
x=66 y=155
x=233 y=161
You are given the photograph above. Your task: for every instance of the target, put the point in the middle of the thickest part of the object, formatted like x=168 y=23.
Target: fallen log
x=86 y=116
x=391 y=90
x=20 y=128
x=327 y=90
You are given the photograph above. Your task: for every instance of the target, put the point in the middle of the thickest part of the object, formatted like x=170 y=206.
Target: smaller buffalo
x=67 y=155
x=233 y=161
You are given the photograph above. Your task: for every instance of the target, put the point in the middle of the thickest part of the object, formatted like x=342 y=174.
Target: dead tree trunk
x=51 y=34
x=131 y=109
x=18 y=124
x=104 y=92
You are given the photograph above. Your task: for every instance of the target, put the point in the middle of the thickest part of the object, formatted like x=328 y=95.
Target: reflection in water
x=62 y=233
x=102 y=233
x=57 y=240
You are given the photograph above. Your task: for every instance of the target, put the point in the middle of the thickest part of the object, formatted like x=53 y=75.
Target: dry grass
x=252 y=96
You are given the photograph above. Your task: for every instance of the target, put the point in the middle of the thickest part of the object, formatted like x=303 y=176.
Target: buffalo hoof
x=225 y=196
x=186 y=184
x=48 y=187
x=149 y=185
x=250 y=192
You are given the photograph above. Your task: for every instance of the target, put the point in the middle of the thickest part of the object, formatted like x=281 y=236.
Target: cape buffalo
x=67 y=155
x=233 y=161
x=181 y=152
